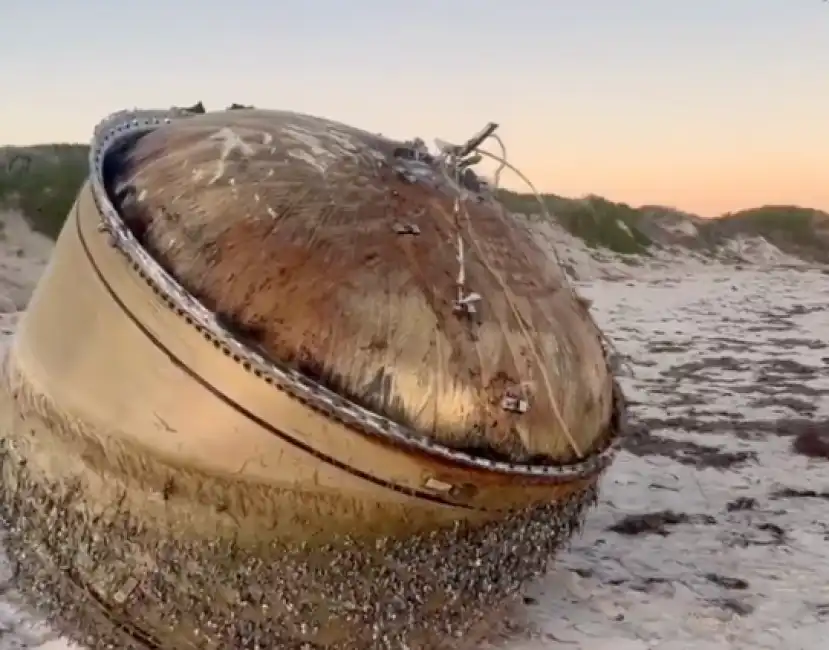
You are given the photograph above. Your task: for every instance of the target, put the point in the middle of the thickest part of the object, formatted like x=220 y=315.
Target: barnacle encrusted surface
x=114 y=579
x=165 y=486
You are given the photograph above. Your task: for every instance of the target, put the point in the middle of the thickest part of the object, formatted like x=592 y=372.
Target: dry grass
x=42 y=182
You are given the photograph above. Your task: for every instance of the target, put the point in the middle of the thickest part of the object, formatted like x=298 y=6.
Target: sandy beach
x=712 y=530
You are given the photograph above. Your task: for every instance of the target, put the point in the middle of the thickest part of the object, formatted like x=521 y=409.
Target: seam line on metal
x=315 y=396
x=241 y=409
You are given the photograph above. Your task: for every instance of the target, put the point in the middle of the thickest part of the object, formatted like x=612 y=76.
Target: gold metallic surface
x=165 y=487
x=205 y=446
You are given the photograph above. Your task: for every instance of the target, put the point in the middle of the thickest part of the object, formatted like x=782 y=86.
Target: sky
x=704 y=105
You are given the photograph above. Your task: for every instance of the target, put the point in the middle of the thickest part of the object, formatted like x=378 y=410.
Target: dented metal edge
x=127 y=125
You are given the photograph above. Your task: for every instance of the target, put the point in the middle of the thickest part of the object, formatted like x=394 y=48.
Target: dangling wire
x=455 y=161
x=503 y=163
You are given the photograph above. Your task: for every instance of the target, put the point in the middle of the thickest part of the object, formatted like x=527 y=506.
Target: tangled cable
x=455 y=161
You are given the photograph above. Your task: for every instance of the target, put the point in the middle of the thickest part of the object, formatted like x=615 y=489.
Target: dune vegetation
x=602 y=223
x=597 y=221
x=42 y=181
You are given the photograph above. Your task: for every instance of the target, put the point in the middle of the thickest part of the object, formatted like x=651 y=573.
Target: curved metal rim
x=127 y=124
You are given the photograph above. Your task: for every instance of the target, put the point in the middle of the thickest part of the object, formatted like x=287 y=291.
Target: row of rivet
x=131 y=123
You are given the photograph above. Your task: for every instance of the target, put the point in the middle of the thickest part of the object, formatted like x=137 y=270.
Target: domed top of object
x=336 y=252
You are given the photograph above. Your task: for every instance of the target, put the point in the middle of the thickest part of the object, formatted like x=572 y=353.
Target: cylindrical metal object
x=171 y=487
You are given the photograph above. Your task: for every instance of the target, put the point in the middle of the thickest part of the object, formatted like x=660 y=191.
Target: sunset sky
x=705 y=105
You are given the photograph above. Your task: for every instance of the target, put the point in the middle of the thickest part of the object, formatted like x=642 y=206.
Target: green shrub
x=782 y=224
x=42 y=182
x=597 y=221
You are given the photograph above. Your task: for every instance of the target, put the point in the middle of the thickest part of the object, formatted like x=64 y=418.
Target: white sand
x=751 y=575
x=23 y=256
x=652 y=591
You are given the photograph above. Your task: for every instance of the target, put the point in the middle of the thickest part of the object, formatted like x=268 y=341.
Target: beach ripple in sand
x=712 y=530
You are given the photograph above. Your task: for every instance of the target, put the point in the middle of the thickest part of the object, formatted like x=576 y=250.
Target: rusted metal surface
x=291 y=312
x=168 y=485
